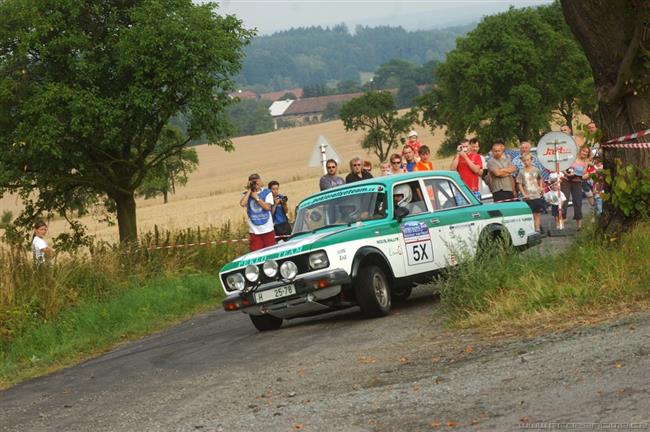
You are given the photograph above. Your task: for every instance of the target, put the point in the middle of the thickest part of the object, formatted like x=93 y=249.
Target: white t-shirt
x=555 y=197
x=268 y=226
x=38 y=244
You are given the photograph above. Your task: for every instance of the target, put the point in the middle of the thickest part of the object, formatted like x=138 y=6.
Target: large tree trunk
x=614 y=34
x=126 y=220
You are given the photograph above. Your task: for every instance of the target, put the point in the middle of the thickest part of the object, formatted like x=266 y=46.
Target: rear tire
x=494 y=243
x=266 y=322
x=373 y=291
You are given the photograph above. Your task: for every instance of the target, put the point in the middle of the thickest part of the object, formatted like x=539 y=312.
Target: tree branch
x=610 y=94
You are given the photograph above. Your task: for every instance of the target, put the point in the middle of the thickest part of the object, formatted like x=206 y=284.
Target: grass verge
x=591 y=280
x=89 y=328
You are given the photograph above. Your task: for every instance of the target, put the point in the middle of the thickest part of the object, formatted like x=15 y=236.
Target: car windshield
x=341 y=208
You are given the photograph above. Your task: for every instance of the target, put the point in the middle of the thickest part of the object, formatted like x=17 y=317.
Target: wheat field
x=211 y=196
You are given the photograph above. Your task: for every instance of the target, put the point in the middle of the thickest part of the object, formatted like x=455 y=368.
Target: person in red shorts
x=258 y=202
x=469 y=165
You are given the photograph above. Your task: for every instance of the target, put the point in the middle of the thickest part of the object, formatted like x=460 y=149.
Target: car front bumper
x=310 y=289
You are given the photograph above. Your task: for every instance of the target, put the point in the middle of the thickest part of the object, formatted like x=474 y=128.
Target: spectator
x=356 y=171
x=330 y=179
x=475 y=147
x=409 y=159
x=556 y=199
x=384 y=167
x=531 y=186
x=40 y=249
x=424 y=164
x=469 y=165
x=396 y=164
x=279 y=210
x=258 y=203
x=502 y=184
x=414 y=142
x=572 y=183
x=598 y=183
x=524 y=149
x=367 y=166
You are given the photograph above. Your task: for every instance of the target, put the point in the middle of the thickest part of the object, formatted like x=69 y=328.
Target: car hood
x=302 y=243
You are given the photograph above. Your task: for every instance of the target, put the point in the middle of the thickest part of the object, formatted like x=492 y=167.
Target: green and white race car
x=365 y=244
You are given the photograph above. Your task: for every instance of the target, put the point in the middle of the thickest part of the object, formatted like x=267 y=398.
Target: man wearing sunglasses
x=357 y=173
x=330 y=179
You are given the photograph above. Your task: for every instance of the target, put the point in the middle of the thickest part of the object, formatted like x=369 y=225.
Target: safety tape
x=628 y=137
x=629 y=145
x=210 y=243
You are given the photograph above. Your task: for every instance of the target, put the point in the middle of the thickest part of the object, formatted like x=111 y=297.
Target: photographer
x=469 y=165
x=258 y=203
x=280 y=210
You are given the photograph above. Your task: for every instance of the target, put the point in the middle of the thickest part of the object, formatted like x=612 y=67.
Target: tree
x=86 y=88
x=250 y=117
x=288 y=95
x=375 y=112
x=505 y=78
x=615 y=36
x=393 y=73
x=163 y=177
x=408 y=91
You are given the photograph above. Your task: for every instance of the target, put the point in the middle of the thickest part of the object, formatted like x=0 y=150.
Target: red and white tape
x=210 y=243
x=629 y=145
x=628 y=137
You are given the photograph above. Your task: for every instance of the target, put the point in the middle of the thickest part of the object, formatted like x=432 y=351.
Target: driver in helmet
x=402 y=195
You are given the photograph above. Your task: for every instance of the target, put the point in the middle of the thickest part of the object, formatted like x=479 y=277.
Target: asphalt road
x=340 y=372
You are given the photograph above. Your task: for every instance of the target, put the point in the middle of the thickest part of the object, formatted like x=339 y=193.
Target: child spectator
x=367 y=166
x=555 y=198
x=598 y=183
x=424 y=164
x=531 y=186
x=384 y=167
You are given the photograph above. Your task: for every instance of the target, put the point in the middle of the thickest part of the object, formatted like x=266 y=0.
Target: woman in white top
x=39 y=245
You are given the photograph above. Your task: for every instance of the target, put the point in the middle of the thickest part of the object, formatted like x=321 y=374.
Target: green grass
x=92 y=327
x=592 y=279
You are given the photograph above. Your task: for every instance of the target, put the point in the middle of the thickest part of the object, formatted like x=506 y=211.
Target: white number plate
x=419 y=252
x=275 y=293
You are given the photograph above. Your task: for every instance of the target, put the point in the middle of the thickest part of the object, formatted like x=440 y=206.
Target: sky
x=269 y=16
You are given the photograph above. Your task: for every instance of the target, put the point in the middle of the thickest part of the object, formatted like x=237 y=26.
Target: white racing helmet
x=405 y=191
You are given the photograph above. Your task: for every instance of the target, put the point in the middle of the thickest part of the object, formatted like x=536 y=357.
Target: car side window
x=445 y=194
x=416 y=202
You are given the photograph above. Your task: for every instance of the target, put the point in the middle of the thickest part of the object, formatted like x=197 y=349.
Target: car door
x=456 y=218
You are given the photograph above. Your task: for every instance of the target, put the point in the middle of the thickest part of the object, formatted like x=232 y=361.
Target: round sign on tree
x=556 y=151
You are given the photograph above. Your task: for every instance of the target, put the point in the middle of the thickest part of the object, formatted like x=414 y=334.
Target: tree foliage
x=86 y=88
x=163 y=178
x=315 y=55
x=398 y=72
x=506 y=77
x=376 y=114
x=250 y=117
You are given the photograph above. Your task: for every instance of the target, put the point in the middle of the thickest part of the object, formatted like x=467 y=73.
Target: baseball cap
x=412 y=134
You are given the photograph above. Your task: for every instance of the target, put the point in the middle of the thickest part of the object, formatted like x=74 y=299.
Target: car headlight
x=270 y=268
x=288 y=270
x=236 y=281
x=252 y=272
x=318 y=260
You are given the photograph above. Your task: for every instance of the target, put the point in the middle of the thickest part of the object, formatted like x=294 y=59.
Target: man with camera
x=279 y=210
x=258 y=203
x=469 y=165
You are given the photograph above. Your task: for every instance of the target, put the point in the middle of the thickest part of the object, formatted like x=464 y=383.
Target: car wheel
x=494 y=243
x=400 y=294
x=266 y=322
x=373 y=291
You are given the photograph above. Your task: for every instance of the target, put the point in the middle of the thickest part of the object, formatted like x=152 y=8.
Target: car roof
x=390 y=180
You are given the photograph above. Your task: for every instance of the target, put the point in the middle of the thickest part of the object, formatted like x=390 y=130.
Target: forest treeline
x=315 y=55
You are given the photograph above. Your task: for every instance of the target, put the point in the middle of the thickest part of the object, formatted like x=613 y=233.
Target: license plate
x=275 y=293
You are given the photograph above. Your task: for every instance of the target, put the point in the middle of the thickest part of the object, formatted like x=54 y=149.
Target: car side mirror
x=401 y=213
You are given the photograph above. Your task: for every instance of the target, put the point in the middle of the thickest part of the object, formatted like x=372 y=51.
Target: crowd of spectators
x=510 y=174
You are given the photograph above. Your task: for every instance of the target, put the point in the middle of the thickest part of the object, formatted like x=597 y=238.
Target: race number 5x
x=420 y=252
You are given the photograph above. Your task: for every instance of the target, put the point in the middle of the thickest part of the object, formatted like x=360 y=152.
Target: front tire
x=373 y=291
x=266 y=322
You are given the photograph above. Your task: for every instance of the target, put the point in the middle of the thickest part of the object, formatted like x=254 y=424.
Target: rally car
x=365 y=244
